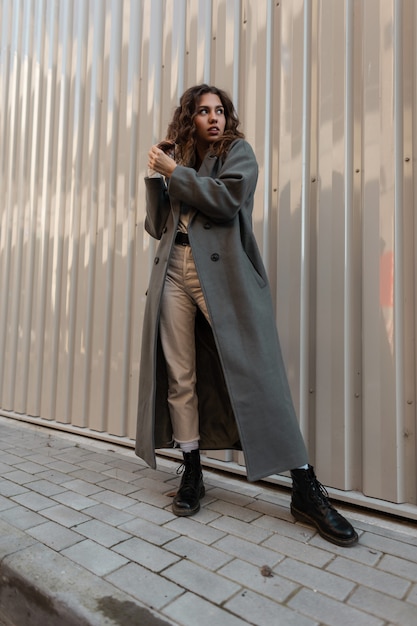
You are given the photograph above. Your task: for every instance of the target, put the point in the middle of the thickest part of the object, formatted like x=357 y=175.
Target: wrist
x=171 y=169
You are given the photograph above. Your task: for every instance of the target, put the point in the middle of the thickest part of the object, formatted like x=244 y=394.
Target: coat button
x=207 y=225
x=156 y=260
x=215 y=257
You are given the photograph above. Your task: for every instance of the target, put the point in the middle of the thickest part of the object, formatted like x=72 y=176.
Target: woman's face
x=209 y=121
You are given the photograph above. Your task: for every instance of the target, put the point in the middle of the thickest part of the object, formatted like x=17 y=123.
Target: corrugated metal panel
x=327 y=94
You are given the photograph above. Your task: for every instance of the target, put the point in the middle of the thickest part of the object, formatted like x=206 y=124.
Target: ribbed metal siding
x=327 y=94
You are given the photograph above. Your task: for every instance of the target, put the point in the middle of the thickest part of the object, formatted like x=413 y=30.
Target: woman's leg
x=176 y=327
x=177 y=323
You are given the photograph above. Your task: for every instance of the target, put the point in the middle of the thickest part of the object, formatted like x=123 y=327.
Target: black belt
x=181 y=239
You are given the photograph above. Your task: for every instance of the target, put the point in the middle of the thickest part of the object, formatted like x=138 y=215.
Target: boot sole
x=302 y=517
x=180 y=512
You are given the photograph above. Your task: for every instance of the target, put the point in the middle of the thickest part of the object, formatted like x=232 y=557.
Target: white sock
x=303 y=466
x=189 y=445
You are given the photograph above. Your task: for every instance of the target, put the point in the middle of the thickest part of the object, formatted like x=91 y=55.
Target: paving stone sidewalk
x=87 y=537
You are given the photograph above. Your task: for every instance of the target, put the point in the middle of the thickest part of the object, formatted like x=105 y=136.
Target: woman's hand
x=161 y=162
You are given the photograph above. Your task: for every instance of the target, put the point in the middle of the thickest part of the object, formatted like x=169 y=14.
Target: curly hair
x=182 y=131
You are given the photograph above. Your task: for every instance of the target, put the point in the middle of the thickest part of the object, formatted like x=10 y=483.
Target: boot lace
x=319 y=493
x=188 y=476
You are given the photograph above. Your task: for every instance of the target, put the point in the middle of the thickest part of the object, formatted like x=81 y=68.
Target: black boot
x=187 y=500
x=310 y=504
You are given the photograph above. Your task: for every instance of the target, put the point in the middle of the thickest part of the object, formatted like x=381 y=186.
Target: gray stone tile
x=160 y=475
x=116 y=500
x=146 y=554
x=399 y=530
x=233 y=511
x=55 y=535
x=8 y=488
x=87 y=475
x=84 y=488
x=118 y=486
x=40 y=458
x=46 y=488
x=10 y=459
x=25 y=452
x=154 y=533
x=62 y=466
x=285 y=528
x=185 y=609
x=22 y=518
x=151 y=513
x=19 y=476
x=94 y=557
x=298 y=550
x=54 y=442
x=201 y=581
x=120 y=474
x=359 y=552
x=197 y=552
x=101 y=460
x=153 y=498
x=258 y=610
x=34 y=501
x=401 y=567
x=370 y=577
x=232 y=497
x=383 y=606
x=251 y=577
x=277 y=497
x=205 y=515
x=93 y=466
x=127 y=466
x=6 y=503
x=108 y=514
x=102 y=533
x=155 y=486
x=73 y=455
x=193 y=529
x=151 y=589
x=54 y=476
x=389 y=546
x=223 y=481
x=250 y=552
x=74 y=500
x=328 y=611
x=315 y=578
x=235 y=527
x=65 y=516
x=29 y=467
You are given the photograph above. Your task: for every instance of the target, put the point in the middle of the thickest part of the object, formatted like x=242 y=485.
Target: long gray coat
x=244 y=398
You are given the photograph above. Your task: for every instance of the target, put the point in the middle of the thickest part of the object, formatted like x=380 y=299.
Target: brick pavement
x=87 y=537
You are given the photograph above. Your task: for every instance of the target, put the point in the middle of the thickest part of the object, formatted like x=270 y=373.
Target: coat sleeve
x=221 y=197
x=157 y=206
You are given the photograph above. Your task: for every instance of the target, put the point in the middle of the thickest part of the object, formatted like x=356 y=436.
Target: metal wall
x=326 y=91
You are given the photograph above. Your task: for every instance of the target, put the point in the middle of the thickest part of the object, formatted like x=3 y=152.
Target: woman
x=212 y=375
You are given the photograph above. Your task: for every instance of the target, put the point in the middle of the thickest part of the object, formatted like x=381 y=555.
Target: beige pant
x=180 y=298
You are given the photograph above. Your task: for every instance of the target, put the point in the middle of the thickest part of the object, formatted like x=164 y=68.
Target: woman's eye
x=205 y=112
